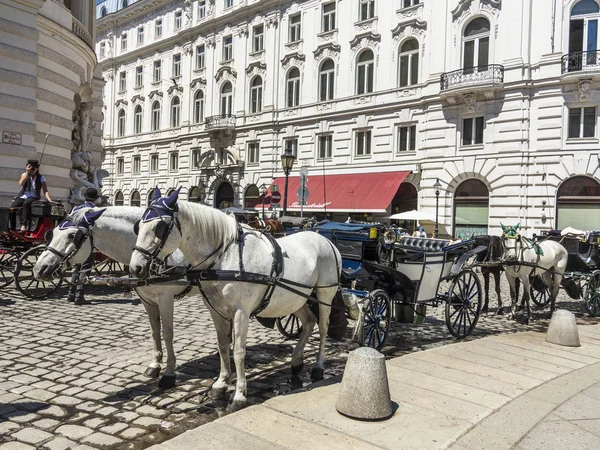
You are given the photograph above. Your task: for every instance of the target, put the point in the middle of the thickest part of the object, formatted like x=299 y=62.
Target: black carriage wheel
x=591 y=294
x=539 y=292
x=8 y=265
x=464 y=304
x=25 y=281
x=110 y=267
x=377 y=319
x=289 y=326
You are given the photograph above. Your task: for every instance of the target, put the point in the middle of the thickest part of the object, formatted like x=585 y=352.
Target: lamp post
x=287 y=162
x=437 y=186
x=263 y=192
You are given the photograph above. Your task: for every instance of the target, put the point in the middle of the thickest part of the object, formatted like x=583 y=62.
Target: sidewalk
x=499 y=392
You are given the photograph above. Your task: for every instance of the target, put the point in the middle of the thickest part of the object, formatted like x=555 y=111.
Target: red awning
x=362 y=192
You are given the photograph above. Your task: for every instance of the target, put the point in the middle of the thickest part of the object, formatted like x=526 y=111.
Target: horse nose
x=138 y=271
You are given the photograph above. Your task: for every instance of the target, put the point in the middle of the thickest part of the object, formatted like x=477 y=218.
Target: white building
x=50 y=100
x=379 y=99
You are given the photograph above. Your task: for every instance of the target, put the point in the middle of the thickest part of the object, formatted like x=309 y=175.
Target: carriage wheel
x=8 y=265
x=289 y=326
x=110 y=267
x=539 y=292
x=591 y=294
x=25 y=281
x=377 y=319
x=464 y=304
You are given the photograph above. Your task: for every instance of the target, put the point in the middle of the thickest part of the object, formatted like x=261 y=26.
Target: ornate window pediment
x=293 y=59
x=330 y=50
x=198 y=82
x=413 y=27
x=155 y=94
x=463 y=7
x=225 y=72
x=256 y=68
x=137 y=99
x=174 y=88
x=362 y=40
x=121 y=102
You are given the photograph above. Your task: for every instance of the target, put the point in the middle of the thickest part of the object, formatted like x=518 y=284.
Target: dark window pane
x=469 y=55
x=370 y=78
x=576 y=36
x=331 y=81
x=403 y=138
x=414 y=70
x=404 y=70
x=482 y=60
x=479 y=130
x=323 y=95
x=589 y=122
x=467 y=131
x=361 y=80
x=574 y=122
x=413 y=137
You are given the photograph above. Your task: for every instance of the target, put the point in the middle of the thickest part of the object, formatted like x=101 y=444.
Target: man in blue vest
x=32 y=184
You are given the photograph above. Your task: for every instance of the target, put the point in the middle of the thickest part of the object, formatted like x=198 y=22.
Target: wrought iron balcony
x=469 y=77
x=220 y=122
x=581 y=62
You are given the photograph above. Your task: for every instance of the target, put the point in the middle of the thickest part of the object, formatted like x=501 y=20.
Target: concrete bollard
x=365 y=393
x=563 y=329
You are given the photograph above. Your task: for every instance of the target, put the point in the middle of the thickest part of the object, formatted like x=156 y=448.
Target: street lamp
x=263 y=193
x=287 y=162
x=437 y=186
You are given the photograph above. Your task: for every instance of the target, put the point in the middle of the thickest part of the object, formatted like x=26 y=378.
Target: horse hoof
x=297 y=369
x=316 y=374
x=217 y=393
x=167 y=381
x=152 y=372
x=484 y=310
x=236 y=405
x=500 y=312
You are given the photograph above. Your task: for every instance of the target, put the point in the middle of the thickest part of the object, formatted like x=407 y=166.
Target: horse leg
x=165 y=306
x=324 y=312
x=240 y=333
x=497 y=274
x=526 y=296
x=223 y=328
x=513 y=294
x=153 y=369
x=308 y=320
x=486 y=289
x=553 y=281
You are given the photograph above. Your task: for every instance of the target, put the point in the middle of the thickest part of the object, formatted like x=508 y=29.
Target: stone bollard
x=563 y=329
x=365 y=393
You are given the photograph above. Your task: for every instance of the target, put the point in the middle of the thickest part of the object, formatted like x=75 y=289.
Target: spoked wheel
x=377 y=319
x=464 y=304
x=110 y=267
x=25 y=281
x=289 y=326
x=539 y=292
x=591 y=294
x=8 y=265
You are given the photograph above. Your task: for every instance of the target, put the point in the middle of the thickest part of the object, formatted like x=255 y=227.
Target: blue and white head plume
x=161 y=206
x=84 y=219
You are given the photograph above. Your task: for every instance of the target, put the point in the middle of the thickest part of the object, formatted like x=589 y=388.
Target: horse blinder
x=78 y=239
x=48 y=236
x=136 y=228
x=162 y=230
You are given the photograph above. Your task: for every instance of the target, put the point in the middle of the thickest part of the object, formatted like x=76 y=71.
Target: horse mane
x=215 y=226
x=494 y=247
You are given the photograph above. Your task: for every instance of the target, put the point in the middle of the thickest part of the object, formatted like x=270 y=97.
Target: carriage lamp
x=287 y=162
x=437 y=186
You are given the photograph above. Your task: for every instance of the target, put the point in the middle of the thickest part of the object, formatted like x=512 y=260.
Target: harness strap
x=276 y=271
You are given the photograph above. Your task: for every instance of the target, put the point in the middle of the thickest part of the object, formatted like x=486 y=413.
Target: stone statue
x=187 y=6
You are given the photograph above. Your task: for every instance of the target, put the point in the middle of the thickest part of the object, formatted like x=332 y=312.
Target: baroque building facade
x=50 y=105
x=475 y=111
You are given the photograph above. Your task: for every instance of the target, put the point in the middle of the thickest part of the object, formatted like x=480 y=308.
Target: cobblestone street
x=72 y=376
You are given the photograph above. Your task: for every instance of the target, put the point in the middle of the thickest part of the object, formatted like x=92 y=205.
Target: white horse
x=528 y=258
x=72 y=241
x=236 y=267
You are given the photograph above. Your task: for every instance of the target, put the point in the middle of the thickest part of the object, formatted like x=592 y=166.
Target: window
x=176 y=65
x=226 y=99
x=584 y=38
x=135 y=199
x=291 y=146
x=363 y=143
x=326 y=80
x=256 y=91
x=124 y=41
x=258 y=38
x=122 y=81
x=157 y=72
x=325 y=146
x=195 y=158
x=228 y=48
x=103 y=11
x=407 y=3
x=407 y=138
x=154 y=163
x=195 y=195
x=294 y=32
x=293 y=88
x=578 y=204
x=156 y=116
x=178 y=15
x=329 y=17
x=253 y=152
x=139 y=76
x=198 y=107
x=119 y=201
x=409 y=63
x=137 y=163
x=125 y=3
x=471 y=209
x=200 y=56
x=173 y=161
x=120 y=166
x=228 y=3
x=137 y=120
x=140 y=35
x=121 y=123
x=366 y=10
x=102 y=49
x=158 y=28
x=582 y=122
x=476 y=46
x=364 y=73
x=175 y=112
x=201 y=9
x=473 y=131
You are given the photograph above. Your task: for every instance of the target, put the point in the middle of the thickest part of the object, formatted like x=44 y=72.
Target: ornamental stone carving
x=242 y=31
x=273 y=21
x=329 y=50
x=137 y=99
x=412 y=28
x=470 y=102
x=295 y=59
x=363 y=99
x=175 y=90
x=366 y=25
x=360 y=41
x=121 y=101
x=584 y=89
x=154 y=95
x=327 y=36
x=464 y=6
x=225 y=73
x=198 y=82
x=256 y=68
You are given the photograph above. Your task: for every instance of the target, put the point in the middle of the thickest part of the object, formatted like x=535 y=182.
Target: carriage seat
x=426 y=245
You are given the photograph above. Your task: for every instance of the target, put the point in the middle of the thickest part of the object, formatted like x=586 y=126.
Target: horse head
x=155 y=239
x=511 y=241
x=68 y=244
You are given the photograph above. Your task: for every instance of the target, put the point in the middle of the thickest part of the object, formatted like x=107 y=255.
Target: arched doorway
x=251 y=197
x=471 y=209
x=578 y=204
x=224 y=196
x=406 y=199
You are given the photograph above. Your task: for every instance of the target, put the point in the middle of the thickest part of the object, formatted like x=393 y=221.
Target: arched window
x=364 y=72
x=137 y=120
x=198 y=106
x=103 y=11
x=149 y=199
x=121 y=123
x=578 y=204
x=195 y=195
x=135 y=199
x=226 y=99
x=293 y=88
x=251 y=197
x=119 y=200
x=409 y=63
x=326 y=80
x=256 y=92
x=476 y=46
x=124 y=3
x=156 y=116
x=175 y=112
x=583 y=35
x=471 y=209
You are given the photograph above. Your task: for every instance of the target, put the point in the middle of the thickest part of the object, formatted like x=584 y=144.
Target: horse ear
x=171 y=200
x=503 y=227
x=92 y=216
x=517 y=226
x=155 y=194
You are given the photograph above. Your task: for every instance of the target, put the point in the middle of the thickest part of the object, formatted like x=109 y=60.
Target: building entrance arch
x=224 y=196
x=471 y=209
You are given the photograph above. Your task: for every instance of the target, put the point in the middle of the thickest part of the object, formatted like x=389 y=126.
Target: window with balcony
x=328 y=17
x=201 y=9
x=124 y=41
x=154 y=163
x=472 y=131
x=408 y=3
x=366 y=9
x=120 y=166
x=363 y=143
x=176 y=65
x=122 y=81
x=156 y=116
x=407 y=138
x=121 y=123
x=139 y=76
x=582 y=122
x=137 y=120
x=253 y=152
x=326 y=80
x=173 y=162
x=294 y=33
x=200 y=56
x=476 y=46
x=293 y=88
x=158 y=28
x=102 y=49
x=175 y=112
x=228 y=3
x=228 y=48
x=157 y=72
x=137 y=164
x=258 y=35
x=325 y=146
x=178 y=17
x=226 y=99
x=584 y=38
x=256 y=94
x=364 y=72
x=140 y=35
x=291 y=146
x=198 y=106
x=409 y=63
